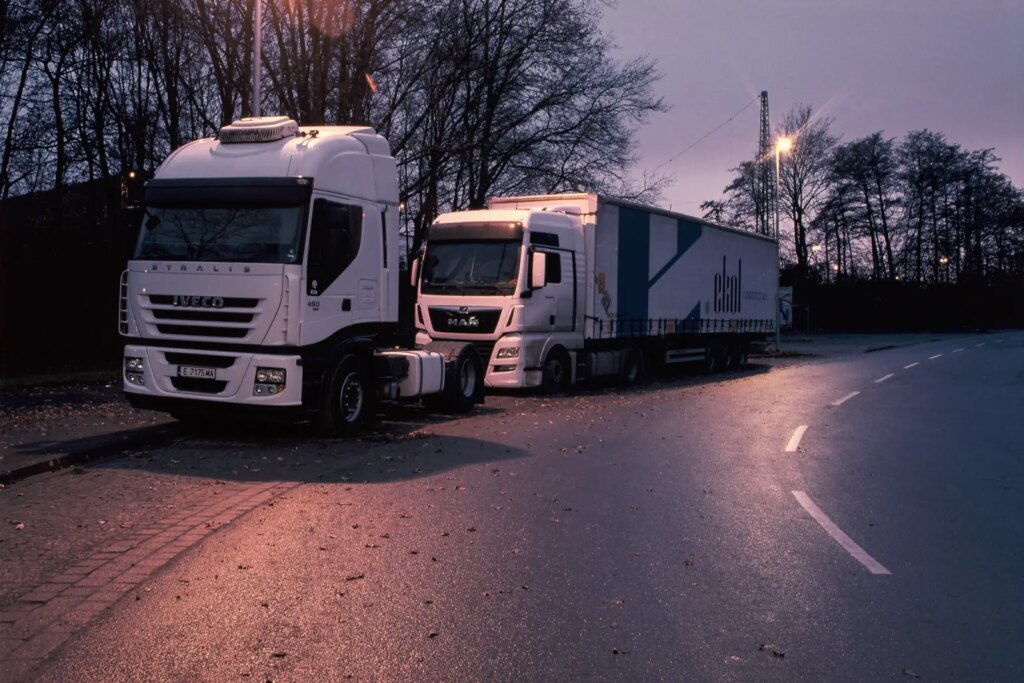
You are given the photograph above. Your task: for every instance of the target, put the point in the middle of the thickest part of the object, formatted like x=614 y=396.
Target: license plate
x=197 y=372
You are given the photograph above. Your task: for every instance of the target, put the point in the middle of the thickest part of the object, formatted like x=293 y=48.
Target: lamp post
x=783 y=144
x=256 y=58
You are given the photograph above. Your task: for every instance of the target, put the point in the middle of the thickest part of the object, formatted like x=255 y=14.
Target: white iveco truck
x=265 y=281
x=553 y=289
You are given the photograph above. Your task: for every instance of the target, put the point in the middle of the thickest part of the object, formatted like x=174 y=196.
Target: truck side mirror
x=538 y=270
x=414 y=271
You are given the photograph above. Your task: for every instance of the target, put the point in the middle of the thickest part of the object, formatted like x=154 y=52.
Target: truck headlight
x=269 y=381
x=509 y=352
x=270 y=375
x=134 y=370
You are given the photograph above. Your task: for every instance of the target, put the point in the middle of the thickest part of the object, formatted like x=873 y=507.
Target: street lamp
x=782 y=144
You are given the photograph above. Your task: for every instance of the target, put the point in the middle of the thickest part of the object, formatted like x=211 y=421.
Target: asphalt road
x=682 y=531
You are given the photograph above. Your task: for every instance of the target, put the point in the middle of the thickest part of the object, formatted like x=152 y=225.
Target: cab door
x=560 y=291
x=342 y=278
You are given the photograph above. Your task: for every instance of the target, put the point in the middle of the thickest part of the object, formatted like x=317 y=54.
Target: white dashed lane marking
x=907 y=367
x=957 y=350
x=794 y=441
x=844 y=399
x=938 y=355
x=848 y=544
x=883 y=378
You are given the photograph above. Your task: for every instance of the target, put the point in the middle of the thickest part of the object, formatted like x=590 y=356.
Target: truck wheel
x=727 y=357
x=631 y=372
x=349 y=401
x=739 y=352
x=713 y=357
x=463 y=384
x=557 y=375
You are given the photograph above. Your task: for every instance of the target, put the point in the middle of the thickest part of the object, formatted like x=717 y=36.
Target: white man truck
x=554 y=289
x=265 y=282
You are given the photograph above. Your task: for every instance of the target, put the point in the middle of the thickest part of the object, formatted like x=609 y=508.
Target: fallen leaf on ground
x=768 y=647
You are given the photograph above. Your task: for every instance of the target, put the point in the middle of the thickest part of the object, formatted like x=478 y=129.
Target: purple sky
x=953 y=66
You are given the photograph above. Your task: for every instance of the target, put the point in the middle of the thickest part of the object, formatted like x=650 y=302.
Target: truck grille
x=233 y=317
x=200 y=359
x=471 y=321
x=199 y=331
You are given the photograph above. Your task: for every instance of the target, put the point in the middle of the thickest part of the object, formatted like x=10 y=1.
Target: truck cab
x=266 y=279
x=511 y=281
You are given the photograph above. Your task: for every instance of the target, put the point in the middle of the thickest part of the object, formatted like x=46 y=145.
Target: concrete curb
x=93 y=448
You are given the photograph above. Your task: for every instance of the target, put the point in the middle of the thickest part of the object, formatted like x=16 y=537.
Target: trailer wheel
x=631 y=372
x=726 y=364
x=714 y=357
x=348 y=403
x=463 y=384
x=557 y=369
x=739 y=352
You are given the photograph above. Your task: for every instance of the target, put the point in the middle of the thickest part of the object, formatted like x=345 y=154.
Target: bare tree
x=741 y=197
x=805 y=172
x=868 y=167
x=19 y=34
x=517 y=97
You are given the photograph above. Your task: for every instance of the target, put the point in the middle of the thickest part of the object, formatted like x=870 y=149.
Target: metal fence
x=660 y=327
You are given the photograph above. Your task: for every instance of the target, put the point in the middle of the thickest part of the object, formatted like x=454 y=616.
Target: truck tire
x=631 y=370
x=348 y=403
x=463 y=383
x=557 y=371
x=739 y=352
x=727 y=357
x=714 y=357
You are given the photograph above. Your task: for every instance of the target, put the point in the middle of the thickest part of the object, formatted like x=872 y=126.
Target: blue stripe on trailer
x=687 y=234
x=634 y=265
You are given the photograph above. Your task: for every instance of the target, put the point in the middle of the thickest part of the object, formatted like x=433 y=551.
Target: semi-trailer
x=265 y=283
x=558 y=288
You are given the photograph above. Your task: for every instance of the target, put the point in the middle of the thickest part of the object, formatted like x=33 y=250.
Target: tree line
x=921 y=209
x=477 y=97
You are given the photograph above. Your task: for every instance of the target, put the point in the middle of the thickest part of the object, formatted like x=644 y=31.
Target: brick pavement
x=56 y=606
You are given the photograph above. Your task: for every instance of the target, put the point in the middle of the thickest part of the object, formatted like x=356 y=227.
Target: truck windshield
x=488 y=267
x=233 y=232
